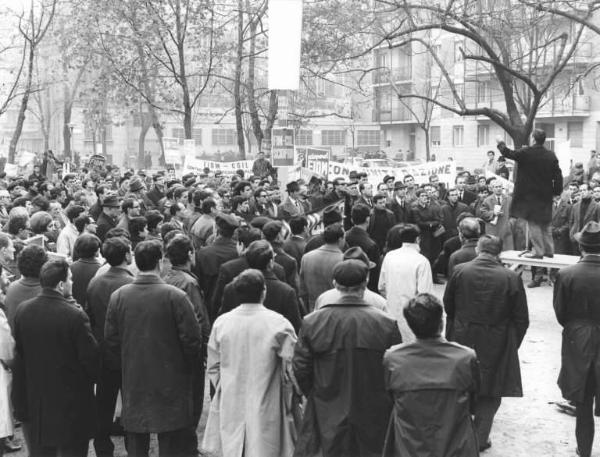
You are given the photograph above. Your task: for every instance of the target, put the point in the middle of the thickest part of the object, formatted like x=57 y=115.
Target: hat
x=260 y=221
x=399 y=185
x=353 y=175
x=135 y=184
x=226 y=221
x=111 y=201
x=589 y=235
x=501 y=159
x=350 y=273
x=356 y=253
x=331 y=215
x=471 y=180
x=386 y=178
x=272 y=229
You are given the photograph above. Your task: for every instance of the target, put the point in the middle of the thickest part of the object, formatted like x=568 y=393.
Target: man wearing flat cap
x=338 y=366
x=210 y=258
x=577 y=308
x=111 y=208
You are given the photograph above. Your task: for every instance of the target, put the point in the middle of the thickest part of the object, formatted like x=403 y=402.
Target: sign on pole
x=285 y=32
x=282 y=147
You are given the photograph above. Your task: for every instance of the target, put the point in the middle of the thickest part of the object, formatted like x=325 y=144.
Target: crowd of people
x=123 y=292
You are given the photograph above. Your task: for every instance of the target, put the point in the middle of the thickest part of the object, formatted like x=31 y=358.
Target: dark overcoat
x=538 y=178
x=561 y=215
x=577 y=308
x=57 y=362
x=357 y=236
x=486 y=309
x=338 y=365
x=152 y=327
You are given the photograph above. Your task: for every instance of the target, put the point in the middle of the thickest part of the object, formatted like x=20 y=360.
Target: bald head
x=469 y=228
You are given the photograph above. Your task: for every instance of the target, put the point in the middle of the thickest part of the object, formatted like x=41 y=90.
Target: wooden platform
x=558 y=261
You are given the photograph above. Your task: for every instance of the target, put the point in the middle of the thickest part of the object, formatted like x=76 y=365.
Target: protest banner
x=282 y=147
x=25 y=158
x=96 y=162
x=192 y=165
x=11 y=170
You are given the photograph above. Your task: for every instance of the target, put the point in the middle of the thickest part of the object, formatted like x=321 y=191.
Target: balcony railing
x=573 y=105
x=395 y=115
x=400 y=74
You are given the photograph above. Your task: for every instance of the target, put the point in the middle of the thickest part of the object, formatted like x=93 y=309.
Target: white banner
x=285 y=32
x=508 y=185
x=193 y=165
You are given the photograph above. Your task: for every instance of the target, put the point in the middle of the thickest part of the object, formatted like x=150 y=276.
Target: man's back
x=433 y=383
x=316 y=272
x=338 y=365
x=465 y=254
x=153 y=327
x=57 y=363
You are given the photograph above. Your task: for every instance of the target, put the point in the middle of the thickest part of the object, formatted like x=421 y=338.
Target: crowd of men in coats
x=329 y=344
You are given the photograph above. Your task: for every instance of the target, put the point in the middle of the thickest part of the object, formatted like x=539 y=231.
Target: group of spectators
x=142 y=284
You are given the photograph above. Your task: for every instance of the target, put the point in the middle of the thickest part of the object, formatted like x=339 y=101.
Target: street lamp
x=71 y=126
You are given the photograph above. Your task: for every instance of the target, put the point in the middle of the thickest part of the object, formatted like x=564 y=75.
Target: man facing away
x=338 y=366
x=253 y=381
x=538 y=178
x=486 y=309
x=576 y=292
x=152 y=327
x=434 y=384
x=56 y=365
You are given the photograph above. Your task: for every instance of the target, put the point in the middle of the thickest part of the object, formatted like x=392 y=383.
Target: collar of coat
x=148 y=278
x=48 y=292
x=348 y=300
x=590 y=258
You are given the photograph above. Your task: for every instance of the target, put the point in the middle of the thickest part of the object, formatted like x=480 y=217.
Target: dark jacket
x=428 y=219
x=152 y=327
x=98 y=294
x=468 y=197
x=561 y=215
x=538 y=179
x=380 y=222
x=294 y=246
x=19 y=291
x=486 y=309
x=185 y=280
x=433 y=384
x=154 y=196
x=401 y=212
x=358 y=236
x=577 y=221
x=465 y=254
x=449 y=215
x=280 y=298
x=57 y=362
x=208 y=261
x=288 y=263
x=104 y=224
x=83 y=271
x=576 y=292
x=338 y=365
x=227 y=272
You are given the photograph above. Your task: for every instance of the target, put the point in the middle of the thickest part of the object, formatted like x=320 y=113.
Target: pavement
x=524 y=427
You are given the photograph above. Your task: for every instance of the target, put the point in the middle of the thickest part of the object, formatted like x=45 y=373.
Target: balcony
x=400 y=115
x=396 y=75
x=572 y=105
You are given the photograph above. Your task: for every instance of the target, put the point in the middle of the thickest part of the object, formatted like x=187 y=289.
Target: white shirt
x=66 y=240
x=405 y=272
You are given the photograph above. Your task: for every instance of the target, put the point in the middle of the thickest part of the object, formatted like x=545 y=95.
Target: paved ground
x=525 y=427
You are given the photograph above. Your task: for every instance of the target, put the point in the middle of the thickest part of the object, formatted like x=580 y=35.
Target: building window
x=368 y=137
x=179 y=134
x=304 y=138
x=224 y=137
x=483 y=135
x=197 y=136
x=460 y=95
x=483 y=92
x=575 y=134
x=435 y=135
x=333 y=137
x=458 y=135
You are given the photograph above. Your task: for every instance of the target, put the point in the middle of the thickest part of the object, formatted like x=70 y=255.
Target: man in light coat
x=253 y=382
x=405 y=261
x=152 y=327
x=494 y=211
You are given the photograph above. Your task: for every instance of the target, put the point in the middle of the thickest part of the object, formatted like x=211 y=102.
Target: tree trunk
x=252 y=108
x=238 y=82
x=24 y=101
x=146 y=124
x=67 y=110
x=427 y=145
x=271 y=117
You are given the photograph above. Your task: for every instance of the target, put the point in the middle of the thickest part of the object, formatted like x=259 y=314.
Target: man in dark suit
x=273 y=233
x=117 y=252
x=561 y=215
x=464 y=195
x=381 y=220
x=469 y=231
x=291 y=206
x=451 y=208
x=210 y=258
x=108 y=218
x=295 y=244
x=576 y=292
x=538 y=178
x=358 y=236
x=280 y=296
x=366 y=194
x=399 y=206
x=486 y=309
x=57 y=362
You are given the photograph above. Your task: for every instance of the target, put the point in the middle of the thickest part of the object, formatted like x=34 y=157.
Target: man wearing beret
x=576 y=292
x=338 y=366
